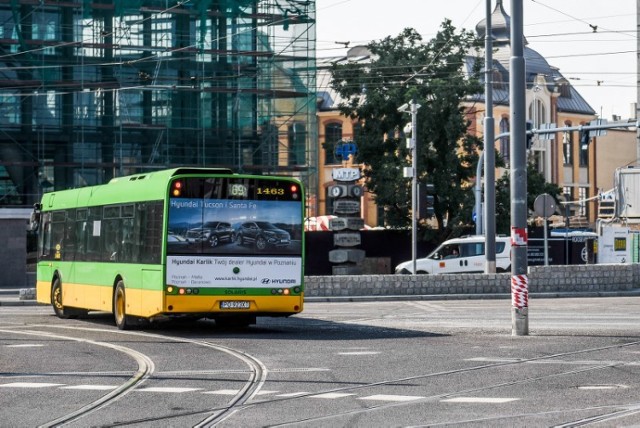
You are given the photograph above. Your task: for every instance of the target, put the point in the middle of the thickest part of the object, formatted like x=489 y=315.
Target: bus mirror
x=34 y=221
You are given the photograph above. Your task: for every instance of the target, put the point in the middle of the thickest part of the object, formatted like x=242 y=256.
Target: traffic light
x=426 y=200
x=529 y=134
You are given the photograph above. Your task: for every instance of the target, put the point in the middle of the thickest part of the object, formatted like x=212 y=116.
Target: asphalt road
x=402 y=363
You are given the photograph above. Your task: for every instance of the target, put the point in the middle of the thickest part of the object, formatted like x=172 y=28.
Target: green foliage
x=536 y=185
x=433 y=74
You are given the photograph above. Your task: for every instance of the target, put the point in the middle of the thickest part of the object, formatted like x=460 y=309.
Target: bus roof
x=148 y=186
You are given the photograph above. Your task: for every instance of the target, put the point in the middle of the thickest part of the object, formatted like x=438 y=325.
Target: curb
x=19 y=301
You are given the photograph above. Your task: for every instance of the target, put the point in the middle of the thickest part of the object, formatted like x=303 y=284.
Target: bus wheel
x=56 y=300
x=123 y=321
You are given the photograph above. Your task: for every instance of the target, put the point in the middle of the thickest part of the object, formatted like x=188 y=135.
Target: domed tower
x=550 y=99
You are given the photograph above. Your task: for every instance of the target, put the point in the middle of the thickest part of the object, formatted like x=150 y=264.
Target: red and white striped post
x=519 y=289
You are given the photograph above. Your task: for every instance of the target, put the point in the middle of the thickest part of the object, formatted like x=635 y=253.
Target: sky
x=601 y=65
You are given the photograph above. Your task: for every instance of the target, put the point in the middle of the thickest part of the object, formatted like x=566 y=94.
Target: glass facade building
x=94 y=89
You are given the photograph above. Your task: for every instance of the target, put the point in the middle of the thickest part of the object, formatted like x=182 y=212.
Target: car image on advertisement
x=262 y=234
x=212 y=232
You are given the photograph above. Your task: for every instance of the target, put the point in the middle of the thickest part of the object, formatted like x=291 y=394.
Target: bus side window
x=70 y=240
x=149 y=231
x=112 y=240
x=129 y=247
x=81 y=233
x=94 y=232
x=57 y=244
x=44 y=240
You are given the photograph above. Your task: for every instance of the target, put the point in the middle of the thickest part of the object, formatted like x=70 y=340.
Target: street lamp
x=412 y=172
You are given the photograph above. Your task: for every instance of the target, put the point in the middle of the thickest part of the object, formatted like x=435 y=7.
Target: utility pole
x=489 y=216
x=637 y=81
x=413 y=173
x=518 y=176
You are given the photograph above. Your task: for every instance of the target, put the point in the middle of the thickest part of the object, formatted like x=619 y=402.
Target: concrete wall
x=13 y=252
x=542 y=279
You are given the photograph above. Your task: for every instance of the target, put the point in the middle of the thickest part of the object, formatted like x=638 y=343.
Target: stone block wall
x=542 y=279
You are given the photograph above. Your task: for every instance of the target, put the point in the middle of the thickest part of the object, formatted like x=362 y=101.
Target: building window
x=537 y=113
x=584 y=148
x=332 y=134
x=567 y=147
x=504 y=141
x=296 y=140
x=10 y=113
x=583 y=194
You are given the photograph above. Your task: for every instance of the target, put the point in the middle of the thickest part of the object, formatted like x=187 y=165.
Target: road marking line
x=167 y=389
x=30 y=385
x=331 y=395
x=292 y=394
x=382 y=397
x=223 y=392
x=359 y=353
x=490 y=400
x=599 y=387
x=265 y=392
x=27 y=345
x=91 y=387
x=426 y=305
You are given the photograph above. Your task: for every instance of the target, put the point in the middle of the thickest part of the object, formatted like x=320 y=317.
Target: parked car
x=211 y=232
x=262 y=234
x=460 y=255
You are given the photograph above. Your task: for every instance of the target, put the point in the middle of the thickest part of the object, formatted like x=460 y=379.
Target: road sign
x=346 y=239
x=342 y=223
x=346 y=206
x=344 y=255
x=544 y=205
x=345 y=174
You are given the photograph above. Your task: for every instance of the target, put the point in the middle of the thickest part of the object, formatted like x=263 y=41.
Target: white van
x=460 y=255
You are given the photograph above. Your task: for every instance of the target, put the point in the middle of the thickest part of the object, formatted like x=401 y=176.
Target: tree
x=536 y=185
x=434 y=75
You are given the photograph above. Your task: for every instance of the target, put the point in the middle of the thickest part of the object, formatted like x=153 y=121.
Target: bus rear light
x=296 y=289
x=176 y=189
x=181 y=291
x=169 y=289
x=286 y=291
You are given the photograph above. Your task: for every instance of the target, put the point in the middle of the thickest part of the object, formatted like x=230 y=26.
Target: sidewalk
x=26 y=296
x=17 y=297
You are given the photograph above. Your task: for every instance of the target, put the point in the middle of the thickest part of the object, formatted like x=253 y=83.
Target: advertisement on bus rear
x=234 y=242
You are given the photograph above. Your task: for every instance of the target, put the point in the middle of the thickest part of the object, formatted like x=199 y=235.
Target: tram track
x=620 y=411
x=145 y=369
x=257 y=376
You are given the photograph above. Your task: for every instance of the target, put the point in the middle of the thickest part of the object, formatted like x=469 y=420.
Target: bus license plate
x=234 y=304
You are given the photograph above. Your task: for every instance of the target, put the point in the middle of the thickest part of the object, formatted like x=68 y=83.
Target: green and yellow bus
x=184 y=242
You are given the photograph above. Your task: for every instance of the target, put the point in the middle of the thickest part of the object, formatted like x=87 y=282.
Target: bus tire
x=56 y=302
x=122 y=320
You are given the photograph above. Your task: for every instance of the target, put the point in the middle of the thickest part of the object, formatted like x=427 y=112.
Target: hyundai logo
x=266 y=280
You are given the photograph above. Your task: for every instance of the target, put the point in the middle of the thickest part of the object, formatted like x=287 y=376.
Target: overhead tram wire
x=151 y=59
